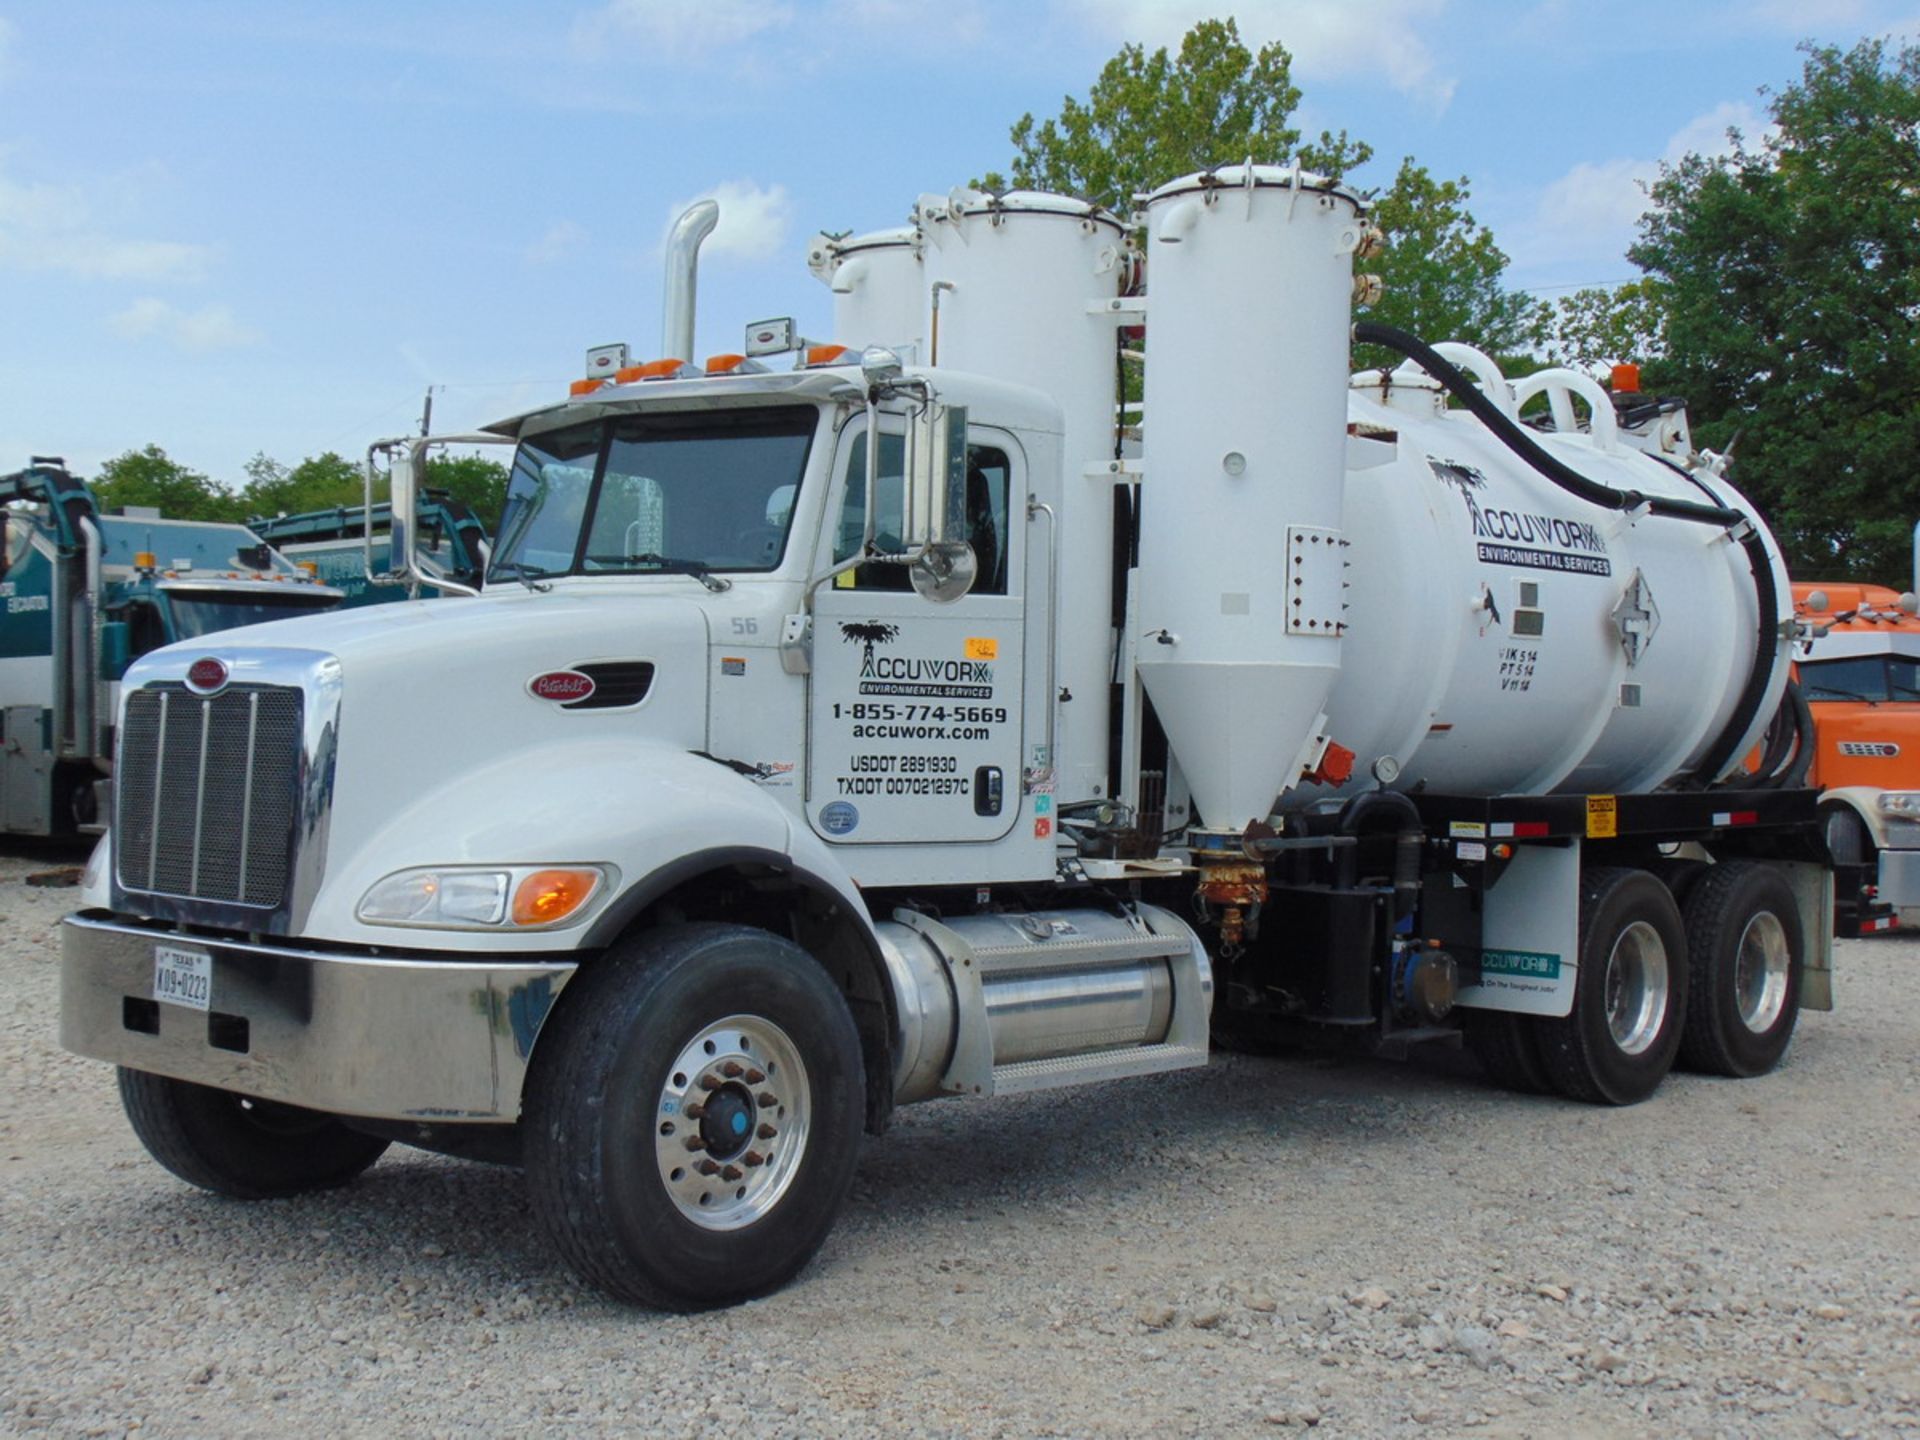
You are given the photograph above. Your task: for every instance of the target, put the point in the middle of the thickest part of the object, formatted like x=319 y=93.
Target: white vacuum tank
x=1241 y=602
x=1506 y=637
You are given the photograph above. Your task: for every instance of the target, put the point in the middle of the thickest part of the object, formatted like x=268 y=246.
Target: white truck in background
x=891 y=725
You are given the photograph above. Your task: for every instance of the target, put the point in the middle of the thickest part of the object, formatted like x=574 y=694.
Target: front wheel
x=1630 y=992
x=694 y=1116
x=239 y=1147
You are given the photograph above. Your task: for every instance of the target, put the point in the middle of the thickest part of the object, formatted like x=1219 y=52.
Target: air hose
x=1766 y=593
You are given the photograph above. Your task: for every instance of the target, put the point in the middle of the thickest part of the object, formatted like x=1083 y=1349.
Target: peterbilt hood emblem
x=207 y=676
x=561 y=686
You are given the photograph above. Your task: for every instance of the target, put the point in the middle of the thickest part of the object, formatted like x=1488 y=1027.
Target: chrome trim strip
x=374 y=1036
x=199 y=800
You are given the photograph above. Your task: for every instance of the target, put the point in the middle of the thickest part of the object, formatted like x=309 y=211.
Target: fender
x=1860 y=799
x=644 y=809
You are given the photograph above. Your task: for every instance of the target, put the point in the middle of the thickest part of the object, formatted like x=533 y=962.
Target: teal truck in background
x=337 y=545
x=85 y=594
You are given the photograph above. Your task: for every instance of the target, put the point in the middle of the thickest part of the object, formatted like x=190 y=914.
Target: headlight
x=477 y=897
x=1904 y=804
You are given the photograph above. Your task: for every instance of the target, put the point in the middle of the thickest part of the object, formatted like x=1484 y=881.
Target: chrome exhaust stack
x=696 y=222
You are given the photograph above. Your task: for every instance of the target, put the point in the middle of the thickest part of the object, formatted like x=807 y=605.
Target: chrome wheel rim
x=730 y=1128
x=1636 y=988
x=1760 y=971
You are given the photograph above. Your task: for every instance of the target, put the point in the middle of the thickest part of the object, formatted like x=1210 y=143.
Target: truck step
x=1101 y=1065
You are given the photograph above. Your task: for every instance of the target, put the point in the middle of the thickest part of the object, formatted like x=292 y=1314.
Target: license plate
x=182 y=977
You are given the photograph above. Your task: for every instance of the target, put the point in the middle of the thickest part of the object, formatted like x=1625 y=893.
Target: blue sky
x=238 y=227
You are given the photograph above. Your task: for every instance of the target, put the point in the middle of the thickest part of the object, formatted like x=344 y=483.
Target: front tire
x=1630 y=994
x=242 y=1148
x=1745 y=952
x=693 y=1116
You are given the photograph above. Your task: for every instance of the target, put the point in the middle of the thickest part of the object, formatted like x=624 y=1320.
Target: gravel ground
x=1356 y=1248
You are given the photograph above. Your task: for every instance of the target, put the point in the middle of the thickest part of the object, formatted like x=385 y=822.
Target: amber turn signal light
x=547 y=896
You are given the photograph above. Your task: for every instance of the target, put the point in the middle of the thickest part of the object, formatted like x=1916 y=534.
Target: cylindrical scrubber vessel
x=879 y=289
x=1242 y=550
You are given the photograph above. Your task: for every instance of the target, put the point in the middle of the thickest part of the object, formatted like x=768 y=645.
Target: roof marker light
x=734 y=365
x=817 y=356
x=584 y=387
x=669 y=369
x=1626 y=379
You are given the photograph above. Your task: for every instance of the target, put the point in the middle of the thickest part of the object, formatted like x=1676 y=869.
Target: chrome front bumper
x=385 y=1038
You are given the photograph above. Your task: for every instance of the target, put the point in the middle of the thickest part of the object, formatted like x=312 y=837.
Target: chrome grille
x=205 y=792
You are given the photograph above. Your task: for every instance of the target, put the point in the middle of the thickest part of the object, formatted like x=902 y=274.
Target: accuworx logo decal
x=882 y=673
x=1537 y=540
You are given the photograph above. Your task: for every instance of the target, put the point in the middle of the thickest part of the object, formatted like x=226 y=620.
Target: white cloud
x=210 y=328
x=1590 y=214
x=754 y=221
x=679 y=29
x=52 y=227
x=1327 y=38
x=562 y=239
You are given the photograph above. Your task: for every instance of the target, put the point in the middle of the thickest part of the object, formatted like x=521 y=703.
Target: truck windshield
x=1862 y=677
x=655 y=493
x=205 y=612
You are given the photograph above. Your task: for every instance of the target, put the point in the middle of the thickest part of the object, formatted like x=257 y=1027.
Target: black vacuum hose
x=1766 y=593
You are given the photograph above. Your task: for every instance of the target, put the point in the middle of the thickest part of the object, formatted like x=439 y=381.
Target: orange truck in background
x=1859 y=666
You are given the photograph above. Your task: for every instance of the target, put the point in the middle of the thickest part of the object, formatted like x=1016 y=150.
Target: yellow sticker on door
x=982 y=647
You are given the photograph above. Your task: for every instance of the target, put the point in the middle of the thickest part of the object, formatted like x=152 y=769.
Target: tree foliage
x=1442 y=271
x=320 y=482
x=1152 y=117
x=1610 y=326
x=481 y=482
x=1788 y=278
x=152 y=477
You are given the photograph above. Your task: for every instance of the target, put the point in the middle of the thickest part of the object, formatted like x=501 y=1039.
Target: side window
x=989 y=481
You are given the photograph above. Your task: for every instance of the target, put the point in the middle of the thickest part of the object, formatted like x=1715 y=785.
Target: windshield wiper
x=698 y=569
x=527 y=575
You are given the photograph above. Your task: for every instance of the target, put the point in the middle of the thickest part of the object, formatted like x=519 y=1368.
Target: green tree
x=152 y=477
x=1790 y=275
x=319 y=482
x=1150 y=118
x=1604 y=325
x=481 y=482
x=1442 y=271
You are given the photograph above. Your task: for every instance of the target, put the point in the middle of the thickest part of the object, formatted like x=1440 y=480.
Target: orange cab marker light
x=584 y=387
x=824 y=355
x=144 y=560
x=550 y=895
x=1626 y=379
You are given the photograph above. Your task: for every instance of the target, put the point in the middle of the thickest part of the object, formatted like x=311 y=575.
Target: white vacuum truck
x=915 y=720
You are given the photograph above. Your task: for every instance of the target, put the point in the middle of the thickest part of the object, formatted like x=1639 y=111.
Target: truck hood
x=436 y=699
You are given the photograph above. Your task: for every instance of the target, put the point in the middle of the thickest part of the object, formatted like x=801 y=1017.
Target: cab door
x=915 y=706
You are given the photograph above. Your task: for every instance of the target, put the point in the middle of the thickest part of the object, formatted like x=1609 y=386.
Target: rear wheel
x=1630 y=992
x=1509 y=1049
x=694 y=1115
x=1745 y=951
x=244 y=1148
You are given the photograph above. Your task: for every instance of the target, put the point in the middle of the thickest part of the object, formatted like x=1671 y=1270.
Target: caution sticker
x=1603 y=817
x=982 y=647
x=1470 y=829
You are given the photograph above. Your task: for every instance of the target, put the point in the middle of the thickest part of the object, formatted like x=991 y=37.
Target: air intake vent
x=617 y=684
